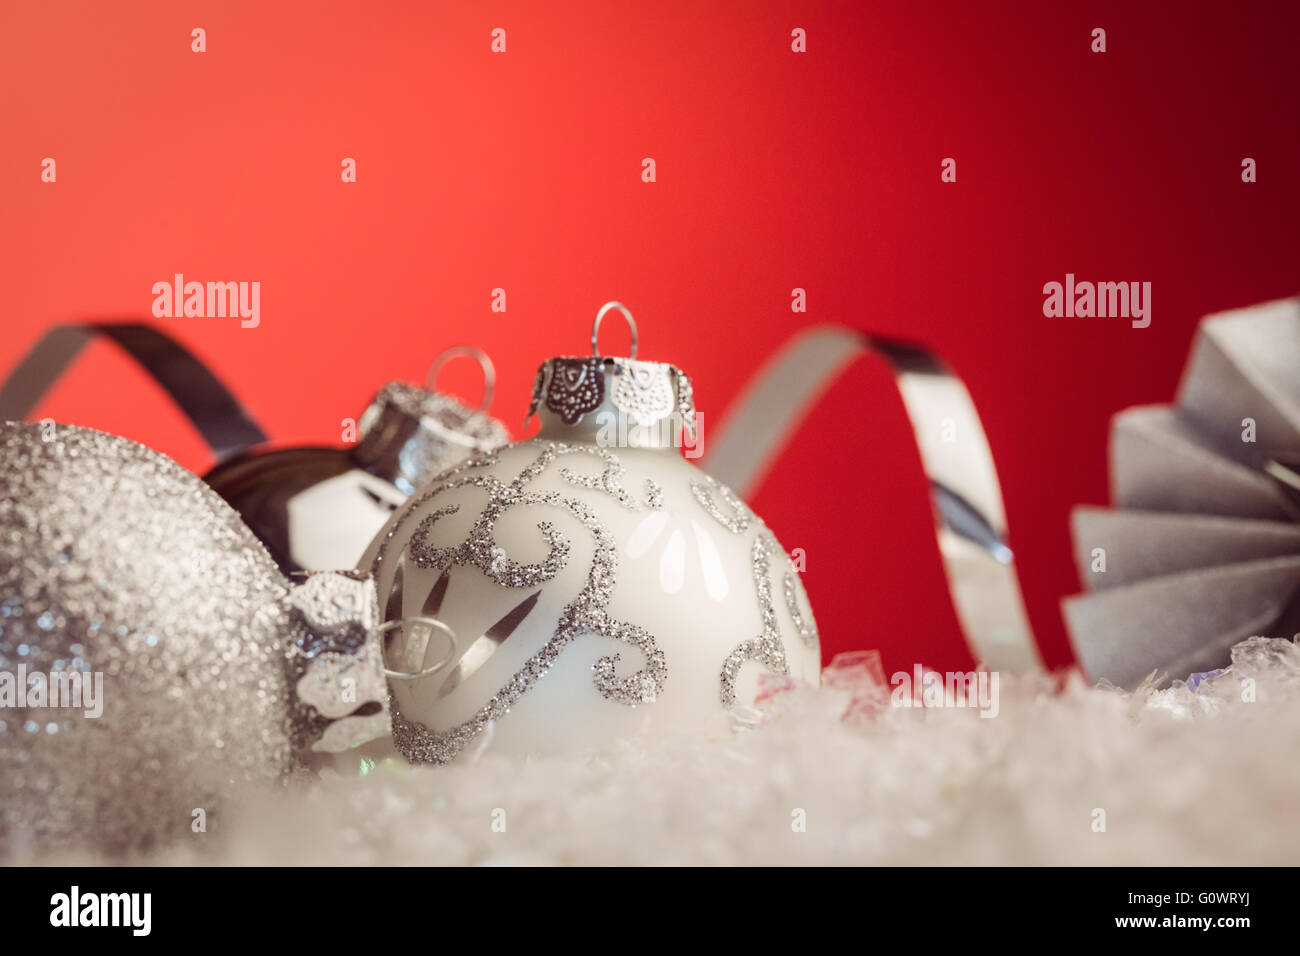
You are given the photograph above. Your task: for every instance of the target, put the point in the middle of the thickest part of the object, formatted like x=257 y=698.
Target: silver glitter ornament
x=603 y=586
x=317 y=508
x=152 y=657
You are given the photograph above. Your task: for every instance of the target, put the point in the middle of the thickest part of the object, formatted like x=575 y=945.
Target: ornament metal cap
x=627 y=402
x=339 y=657
x=409 y=433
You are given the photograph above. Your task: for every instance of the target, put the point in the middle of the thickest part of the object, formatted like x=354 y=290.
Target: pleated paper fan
x=1202 y=548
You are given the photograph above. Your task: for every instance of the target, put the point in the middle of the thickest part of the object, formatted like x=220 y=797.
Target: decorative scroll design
x=807 y=629
x=740 y=517
x=767 y=648
x=587 y=613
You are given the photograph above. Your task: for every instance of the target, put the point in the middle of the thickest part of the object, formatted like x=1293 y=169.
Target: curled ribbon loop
x=970 y=523
x=217 y=415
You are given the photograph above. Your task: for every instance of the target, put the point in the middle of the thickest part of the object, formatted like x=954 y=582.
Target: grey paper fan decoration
x=1202 y=549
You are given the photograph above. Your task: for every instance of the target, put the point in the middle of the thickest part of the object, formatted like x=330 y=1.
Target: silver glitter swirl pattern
x=738 y=520
x=767 y=648
x=807 y=629
x=114 y=559
x=654 y=495
x=585 y=614
x=610 y=479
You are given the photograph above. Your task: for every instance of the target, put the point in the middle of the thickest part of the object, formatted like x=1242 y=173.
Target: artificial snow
x=1063 y=773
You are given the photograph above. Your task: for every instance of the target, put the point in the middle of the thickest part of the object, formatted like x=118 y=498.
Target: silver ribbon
x=970 y=523
x=217 y=415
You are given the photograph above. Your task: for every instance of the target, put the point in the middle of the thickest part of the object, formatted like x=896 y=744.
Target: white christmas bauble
x=600 y=586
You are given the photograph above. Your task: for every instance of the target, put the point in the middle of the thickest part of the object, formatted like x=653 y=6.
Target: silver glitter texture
x=610 y=480
x=585 y=614
x=448 y=431
x=654 y=495
x=114 y=559
x=767 y=648
x=740 y=518
x=807 y=628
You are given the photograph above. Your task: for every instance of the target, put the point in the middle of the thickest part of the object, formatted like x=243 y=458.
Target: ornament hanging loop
x=595 y=326
x=386 y=643
x=467 y=351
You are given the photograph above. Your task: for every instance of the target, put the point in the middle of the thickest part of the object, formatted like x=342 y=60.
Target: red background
x=775 y=170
